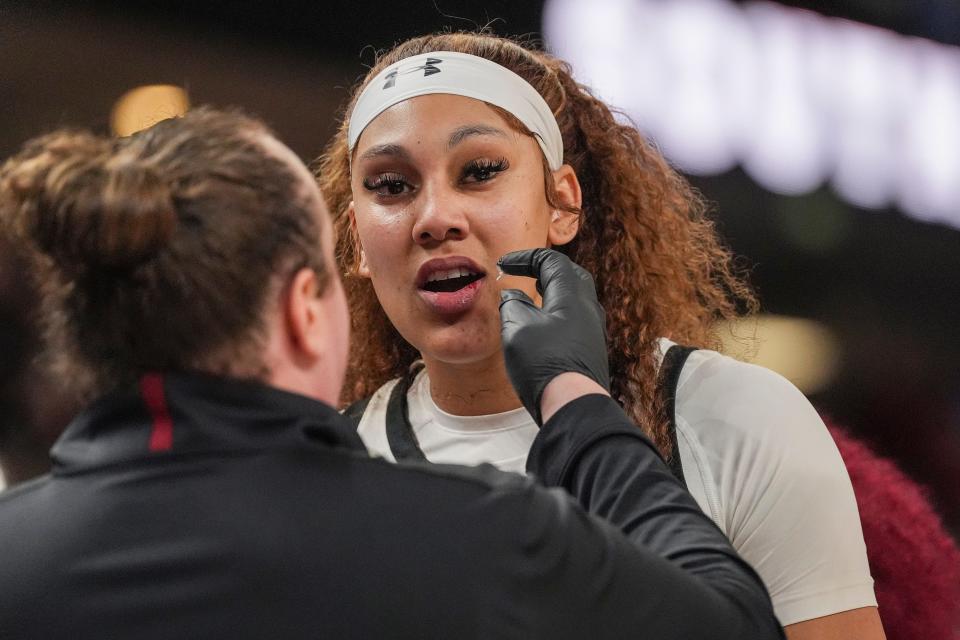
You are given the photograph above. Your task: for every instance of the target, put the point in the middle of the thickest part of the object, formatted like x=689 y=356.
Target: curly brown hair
x=659 y=266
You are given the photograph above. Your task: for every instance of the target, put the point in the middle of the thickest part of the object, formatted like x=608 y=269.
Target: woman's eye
x=387 y=184
x=483 y=170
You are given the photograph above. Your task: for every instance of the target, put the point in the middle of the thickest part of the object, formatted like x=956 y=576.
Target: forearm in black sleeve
x=592 y=450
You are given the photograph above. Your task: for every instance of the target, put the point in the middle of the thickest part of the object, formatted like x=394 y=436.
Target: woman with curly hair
x=457 y=148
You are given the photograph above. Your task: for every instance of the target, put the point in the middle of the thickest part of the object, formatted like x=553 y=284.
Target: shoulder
x=419 y=479
x=22 y=508
x=23 y=493
x=743 y=429
x=733 y=403
x=753 y=430
x=483 y=478
x=372 y=422
x=501 y=507
x=733 y=382
x=776 y=484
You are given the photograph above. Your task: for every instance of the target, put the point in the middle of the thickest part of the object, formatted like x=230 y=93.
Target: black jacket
x=198 y=507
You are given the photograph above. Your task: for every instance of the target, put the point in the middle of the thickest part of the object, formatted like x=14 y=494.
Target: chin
x=457 y=344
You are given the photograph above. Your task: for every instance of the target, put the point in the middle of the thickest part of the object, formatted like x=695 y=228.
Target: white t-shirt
x=756 y=457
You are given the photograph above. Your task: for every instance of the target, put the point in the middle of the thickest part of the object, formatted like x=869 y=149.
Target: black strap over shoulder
x=400 y=436
x=403 y=442
x=670 y=369
x=354 y=413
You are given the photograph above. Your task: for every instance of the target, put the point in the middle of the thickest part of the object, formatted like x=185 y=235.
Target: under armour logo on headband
x=458 y=74
x=428 y=70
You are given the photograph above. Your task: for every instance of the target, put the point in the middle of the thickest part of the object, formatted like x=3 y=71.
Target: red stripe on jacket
x=161 y=435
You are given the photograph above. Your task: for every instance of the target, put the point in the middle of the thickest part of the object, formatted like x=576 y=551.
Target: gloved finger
x=516 y=310
x=506 y=295
x=587 y=285
x=519 y=263
x=553 y=271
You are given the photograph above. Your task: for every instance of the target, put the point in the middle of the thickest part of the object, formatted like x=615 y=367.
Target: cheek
x=531 y=219
x=383 y=240
x=515 y=226
x=515 y=219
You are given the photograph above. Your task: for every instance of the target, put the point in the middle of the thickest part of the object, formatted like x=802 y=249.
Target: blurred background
x=827 y=135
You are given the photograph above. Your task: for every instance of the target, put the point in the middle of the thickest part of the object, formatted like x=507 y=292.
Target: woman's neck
x=474 y=389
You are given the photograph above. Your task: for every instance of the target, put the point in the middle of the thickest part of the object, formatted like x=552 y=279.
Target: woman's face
x=443 y=187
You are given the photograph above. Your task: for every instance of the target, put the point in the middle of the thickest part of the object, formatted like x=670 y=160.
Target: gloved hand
x=567 y=334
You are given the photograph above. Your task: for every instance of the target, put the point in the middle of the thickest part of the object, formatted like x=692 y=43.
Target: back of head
x=158 y=252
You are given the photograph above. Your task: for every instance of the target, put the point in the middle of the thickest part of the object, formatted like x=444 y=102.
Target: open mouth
x=450 y=280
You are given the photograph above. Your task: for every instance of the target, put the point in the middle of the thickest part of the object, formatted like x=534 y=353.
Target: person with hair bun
x=212 y=490
x=458 y=147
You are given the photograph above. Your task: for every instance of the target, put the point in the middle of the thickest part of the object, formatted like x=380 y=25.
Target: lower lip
x=449 y=303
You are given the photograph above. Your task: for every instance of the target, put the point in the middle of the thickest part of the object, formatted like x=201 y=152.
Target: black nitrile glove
x=567 y=334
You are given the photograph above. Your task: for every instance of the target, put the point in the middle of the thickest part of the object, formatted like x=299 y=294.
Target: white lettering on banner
x=792 y=96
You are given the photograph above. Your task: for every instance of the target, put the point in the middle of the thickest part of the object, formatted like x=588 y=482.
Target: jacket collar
x=180 y=413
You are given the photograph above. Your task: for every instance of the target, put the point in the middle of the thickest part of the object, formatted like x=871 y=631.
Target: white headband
x=459 y=74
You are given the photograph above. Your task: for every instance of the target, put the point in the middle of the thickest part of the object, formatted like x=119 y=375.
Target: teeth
x=449 y=274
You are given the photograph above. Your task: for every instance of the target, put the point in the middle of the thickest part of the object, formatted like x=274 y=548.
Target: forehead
x=434 y=115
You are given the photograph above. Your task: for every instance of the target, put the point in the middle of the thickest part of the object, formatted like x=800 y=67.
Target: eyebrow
x=466 y=131
x=380 y=150
x=459 y=135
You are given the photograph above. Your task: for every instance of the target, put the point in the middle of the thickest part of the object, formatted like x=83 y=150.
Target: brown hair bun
x=87 y=207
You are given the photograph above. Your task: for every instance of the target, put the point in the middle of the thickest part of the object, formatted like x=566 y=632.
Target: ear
x=563 y=224
x=305 y=316
x=363 y=270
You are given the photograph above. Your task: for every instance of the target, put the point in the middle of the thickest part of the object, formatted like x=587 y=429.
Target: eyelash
x=484 y=166
x=386 y=181
x=391 y=185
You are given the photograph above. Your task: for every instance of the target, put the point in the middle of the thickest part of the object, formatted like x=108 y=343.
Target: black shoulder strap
x=670 y=369
x=355 y=411
x=403 y=443
x=400 y=436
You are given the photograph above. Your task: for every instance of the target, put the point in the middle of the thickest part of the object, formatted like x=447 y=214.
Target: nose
x=441 y=216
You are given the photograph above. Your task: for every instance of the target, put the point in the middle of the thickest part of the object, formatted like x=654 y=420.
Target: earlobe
x=362 y=269
x=564 y=225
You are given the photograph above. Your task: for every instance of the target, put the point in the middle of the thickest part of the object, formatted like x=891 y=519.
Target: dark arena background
x=827 y=135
